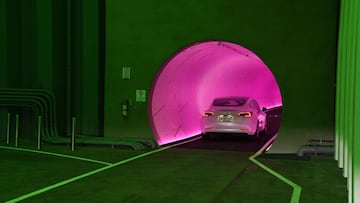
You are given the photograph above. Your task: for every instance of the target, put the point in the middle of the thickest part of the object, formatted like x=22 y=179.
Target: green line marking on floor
x=45 y=189
x=295 y=197
x=56 y=154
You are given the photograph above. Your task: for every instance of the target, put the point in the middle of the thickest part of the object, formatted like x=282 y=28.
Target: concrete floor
x=290 y=140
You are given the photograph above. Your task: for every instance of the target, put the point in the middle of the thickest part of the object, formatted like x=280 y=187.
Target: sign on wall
x=141 y=95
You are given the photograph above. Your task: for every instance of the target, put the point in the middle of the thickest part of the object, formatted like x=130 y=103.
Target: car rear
x=228 y=121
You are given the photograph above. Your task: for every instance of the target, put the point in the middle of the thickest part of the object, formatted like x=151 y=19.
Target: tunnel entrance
x=188 y=82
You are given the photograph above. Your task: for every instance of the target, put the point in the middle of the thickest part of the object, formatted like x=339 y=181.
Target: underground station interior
x=105 y=100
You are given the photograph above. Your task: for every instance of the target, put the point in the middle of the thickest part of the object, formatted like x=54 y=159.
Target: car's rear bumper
x=224 y=127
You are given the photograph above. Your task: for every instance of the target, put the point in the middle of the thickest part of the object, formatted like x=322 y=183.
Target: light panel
x=347 y=97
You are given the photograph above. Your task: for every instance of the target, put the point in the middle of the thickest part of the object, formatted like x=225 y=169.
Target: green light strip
x=348 y=97
x=26 y=196
x=339 y=84
x=56 y=154
x=295 y=197
x=154 y=151
x=355 y=179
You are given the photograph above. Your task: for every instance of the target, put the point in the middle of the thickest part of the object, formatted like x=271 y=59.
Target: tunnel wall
x=187 y=84
x=296 y=39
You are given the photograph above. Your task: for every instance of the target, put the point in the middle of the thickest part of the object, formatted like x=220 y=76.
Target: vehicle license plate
x=225 y=118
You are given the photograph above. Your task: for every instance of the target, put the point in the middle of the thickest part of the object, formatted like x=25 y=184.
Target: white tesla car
x=234 y=115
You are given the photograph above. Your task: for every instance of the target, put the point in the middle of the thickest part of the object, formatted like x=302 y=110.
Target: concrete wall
x=296 y=39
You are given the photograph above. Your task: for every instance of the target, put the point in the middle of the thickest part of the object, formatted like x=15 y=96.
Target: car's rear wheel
x=264 y=132
x=257 y=133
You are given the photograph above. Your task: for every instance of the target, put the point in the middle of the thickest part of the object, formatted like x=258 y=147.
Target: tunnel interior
x=188 y=82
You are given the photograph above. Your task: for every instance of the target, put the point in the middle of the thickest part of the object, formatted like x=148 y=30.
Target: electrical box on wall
x=126 y=73
x=141 y=95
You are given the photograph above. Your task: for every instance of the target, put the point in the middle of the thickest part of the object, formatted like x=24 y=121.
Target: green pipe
x=40 y=100
x=8 y=129
x=39 y=133
x=16 y=130
x=73 y=134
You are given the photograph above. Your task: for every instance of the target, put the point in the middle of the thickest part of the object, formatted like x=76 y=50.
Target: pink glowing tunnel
x=189 y=81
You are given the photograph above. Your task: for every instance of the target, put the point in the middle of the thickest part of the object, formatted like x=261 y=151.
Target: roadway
x=239 y=142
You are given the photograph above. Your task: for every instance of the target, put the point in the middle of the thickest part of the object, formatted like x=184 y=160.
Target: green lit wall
x=296 y=39
x=55 y=45
x=58 y=45
x=347 y=125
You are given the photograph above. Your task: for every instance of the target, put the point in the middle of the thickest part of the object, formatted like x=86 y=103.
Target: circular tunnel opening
x=188 y=82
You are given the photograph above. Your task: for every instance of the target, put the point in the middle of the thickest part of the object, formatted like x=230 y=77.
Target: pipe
x=73 y=134
x=16 y=130
x=316 y=150
x=8 y=129
x=39 y=133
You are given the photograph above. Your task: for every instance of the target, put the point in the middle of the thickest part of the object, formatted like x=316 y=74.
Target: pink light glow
x=186 y=85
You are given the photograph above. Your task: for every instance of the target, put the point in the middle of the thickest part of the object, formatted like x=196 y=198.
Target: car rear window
x=230 y=102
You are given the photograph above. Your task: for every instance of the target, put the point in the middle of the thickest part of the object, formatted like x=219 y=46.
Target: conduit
x=188 y=82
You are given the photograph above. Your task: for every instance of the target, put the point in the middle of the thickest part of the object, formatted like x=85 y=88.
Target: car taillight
x=245 y=114
x=208 y=113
